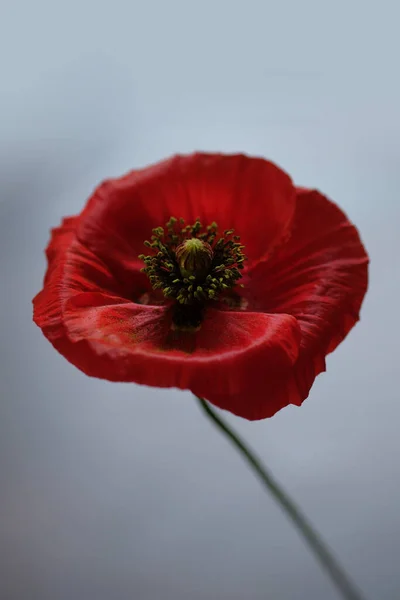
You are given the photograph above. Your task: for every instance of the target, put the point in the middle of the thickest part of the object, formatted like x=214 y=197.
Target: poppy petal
x=72 y=269
x=254 y=403
x=230 y=354
x=319 y=276
x=250 y=195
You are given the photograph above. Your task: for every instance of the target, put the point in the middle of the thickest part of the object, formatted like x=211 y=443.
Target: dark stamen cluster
x=219 y=264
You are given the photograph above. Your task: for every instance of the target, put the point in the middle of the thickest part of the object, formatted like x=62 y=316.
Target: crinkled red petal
x=250 y=195
x=73 y=269
x=135 y=343
x=319 y=276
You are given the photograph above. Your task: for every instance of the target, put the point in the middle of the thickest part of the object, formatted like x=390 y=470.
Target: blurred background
x=117 y=492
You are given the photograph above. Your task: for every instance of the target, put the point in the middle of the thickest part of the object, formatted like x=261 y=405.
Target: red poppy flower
x=246 y=323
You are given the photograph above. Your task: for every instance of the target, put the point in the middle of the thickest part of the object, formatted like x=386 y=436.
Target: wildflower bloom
x=244 y=286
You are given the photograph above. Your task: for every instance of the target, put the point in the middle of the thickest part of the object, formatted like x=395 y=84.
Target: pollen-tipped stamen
x=192 y=265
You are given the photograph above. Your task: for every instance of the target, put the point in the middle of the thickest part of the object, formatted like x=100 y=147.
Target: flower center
x=192 y=265
x=194 y=258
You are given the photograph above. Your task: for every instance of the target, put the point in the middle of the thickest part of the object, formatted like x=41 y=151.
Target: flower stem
x=320 y=549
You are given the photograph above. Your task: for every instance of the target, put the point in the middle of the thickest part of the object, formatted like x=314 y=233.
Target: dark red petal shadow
x=251 y=195
x=319 y=276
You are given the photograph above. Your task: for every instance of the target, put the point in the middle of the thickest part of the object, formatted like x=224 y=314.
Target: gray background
x=117 y=492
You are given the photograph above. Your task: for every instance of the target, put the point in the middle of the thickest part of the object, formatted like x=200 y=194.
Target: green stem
x=320 y=549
